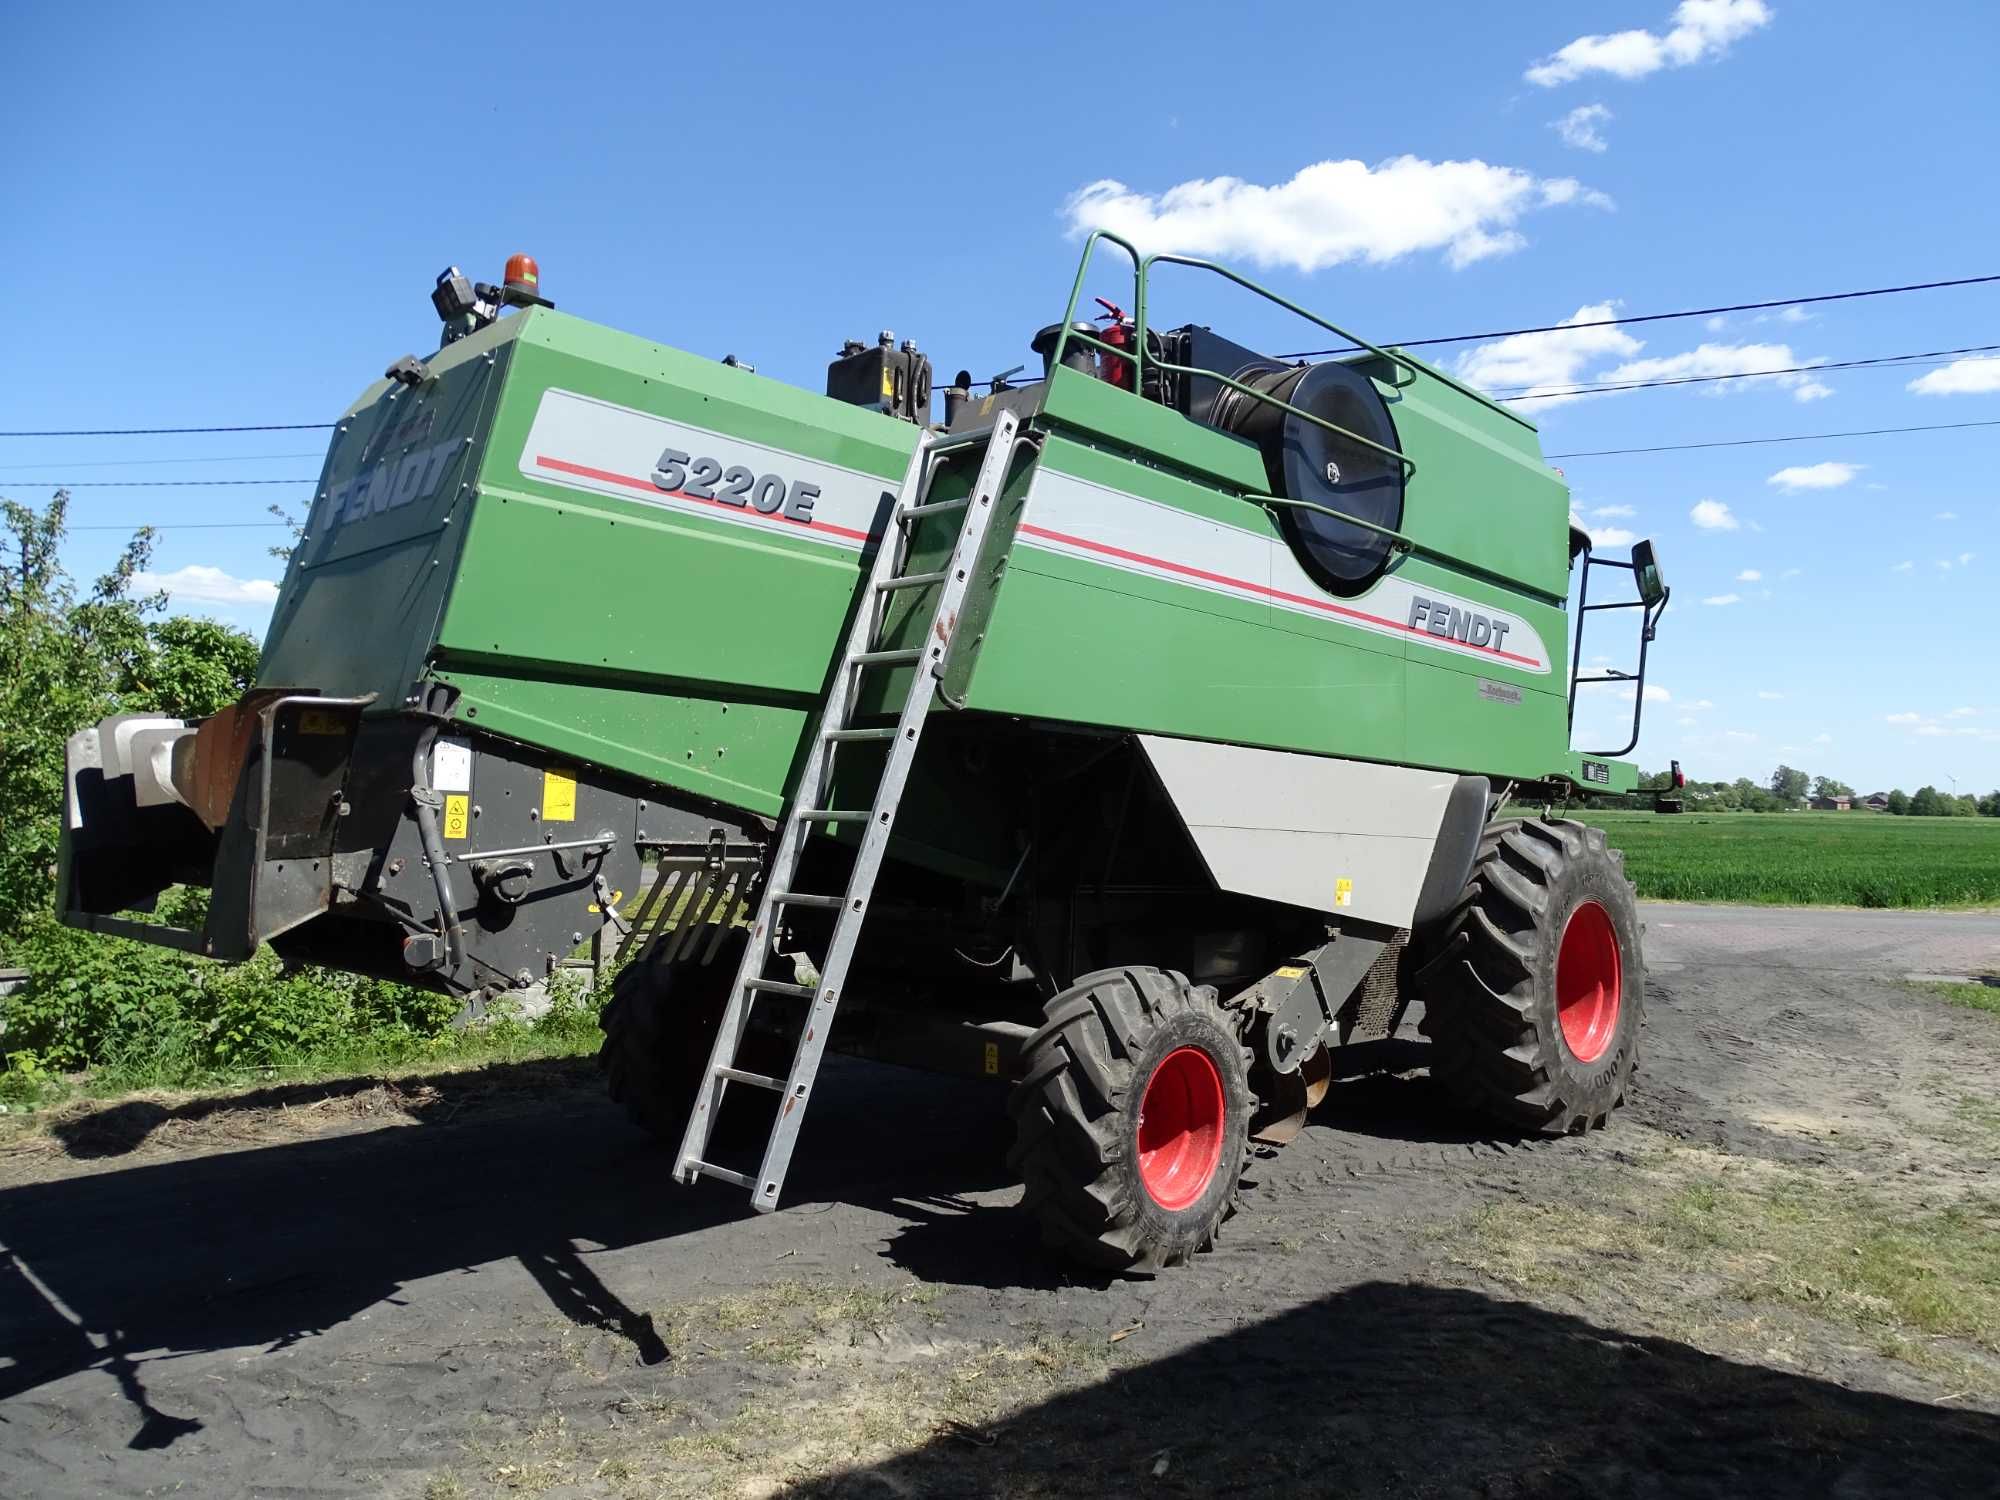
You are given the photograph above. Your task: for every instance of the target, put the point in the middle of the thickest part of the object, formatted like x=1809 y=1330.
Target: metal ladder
x=808 y=811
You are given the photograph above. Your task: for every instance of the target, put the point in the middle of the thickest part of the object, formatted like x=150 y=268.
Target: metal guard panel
x=1346 y=837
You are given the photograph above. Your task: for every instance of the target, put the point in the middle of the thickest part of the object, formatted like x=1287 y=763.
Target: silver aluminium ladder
x=808 y=810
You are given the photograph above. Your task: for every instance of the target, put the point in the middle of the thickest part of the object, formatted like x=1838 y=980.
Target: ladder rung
x=833 y=815
x=844 y=735
x=897 y=658
x=912 y=581
x=721 y=1174
x=760 y=1080
x=801 y=898
x=935 y=508
x=781 y=987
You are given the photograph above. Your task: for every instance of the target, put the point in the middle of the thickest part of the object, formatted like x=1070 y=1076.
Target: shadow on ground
x=1387 y=1389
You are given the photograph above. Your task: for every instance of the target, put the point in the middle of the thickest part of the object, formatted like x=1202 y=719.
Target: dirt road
x=489 y=1285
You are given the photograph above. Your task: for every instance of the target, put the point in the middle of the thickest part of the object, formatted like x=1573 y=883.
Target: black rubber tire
x=659 y=1026
x=1076 y=1118
x=1490 y=1007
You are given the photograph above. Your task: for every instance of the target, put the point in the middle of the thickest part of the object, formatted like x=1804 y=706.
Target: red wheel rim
x=1590 y=982
x=1180 y=1128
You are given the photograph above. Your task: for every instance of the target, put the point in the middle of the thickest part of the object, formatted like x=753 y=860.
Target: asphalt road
x=1820 y=940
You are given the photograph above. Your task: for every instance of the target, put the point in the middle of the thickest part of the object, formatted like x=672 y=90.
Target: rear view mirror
x=1646 y=573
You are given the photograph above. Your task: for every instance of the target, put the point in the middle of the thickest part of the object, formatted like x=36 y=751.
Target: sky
x=234 y=215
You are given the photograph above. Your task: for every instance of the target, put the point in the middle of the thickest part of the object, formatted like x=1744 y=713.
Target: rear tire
x=659 y=1026
x=1534 y=1019
x=1132 y=1120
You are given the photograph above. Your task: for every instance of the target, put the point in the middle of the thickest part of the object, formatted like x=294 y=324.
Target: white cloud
x=1825 y=476
x=1822 y=739
x=1547 y=361
x=208 y=585
x=1657 y=694
x=1932 y=731
x=1738 y=734
x=1963 y=713
x=1713 y=515
x=1611 y=536
x=1579 y=128
x=1903 y=567
x=1944 y=564
x=1770 y=697
x=1700 y=29
x=1962 y=377
x=1612 y=512
x=1760 y=363
x=1749 y=575
x=1966 y=557
x=1790 y=573
x=1946 y=515
x=1333 y=212
x=1723 y=599
x=1902 y=718
x=1700 y=703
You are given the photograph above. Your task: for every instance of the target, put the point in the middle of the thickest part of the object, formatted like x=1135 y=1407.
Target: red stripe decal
x=584 y=471
x=1325 y=606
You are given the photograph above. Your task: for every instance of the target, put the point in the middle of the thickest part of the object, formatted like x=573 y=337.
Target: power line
x=1693 y=312
x=162 y=431
x=1802 y=437
x=160 y=484
x=135 y=463
x=176 y=526
x=1588 y=388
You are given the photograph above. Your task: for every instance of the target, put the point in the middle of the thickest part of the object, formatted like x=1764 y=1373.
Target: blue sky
x=234 y=215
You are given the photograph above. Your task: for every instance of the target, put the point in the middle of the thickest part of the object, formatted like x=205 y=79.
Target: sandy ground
x=489 y=1285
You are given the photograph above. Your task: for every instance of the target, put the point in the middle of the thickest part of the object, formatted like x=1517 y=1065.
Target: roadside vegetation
x=1808 y=858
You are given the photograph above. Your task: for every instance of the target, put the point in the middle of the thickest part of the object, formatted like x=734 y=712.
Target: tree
x=1899 y=802
x=1927 y=802
x=1826 y=786
x=1989 y=805
x=1789 y=786
x=69 y=658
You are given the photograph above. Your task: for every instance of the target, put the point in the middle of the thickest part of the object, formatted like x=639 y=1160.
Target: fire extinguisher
x=1117 y=333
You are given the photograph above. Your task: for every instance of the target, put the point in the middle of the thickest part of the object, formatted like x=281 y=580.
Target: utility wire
x=135 y=463
x=159 y=484
x=159 y=431
x=177 y=526
x=1586 y=388
x=1693 y=312
x=1802 y=437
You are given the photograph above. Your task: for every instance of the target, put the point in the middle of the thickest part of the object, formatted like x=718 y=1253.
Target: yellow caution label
x=319 y=721
x=457 y=817
x=1292 y=971
x=616 y=897
x=1343 y=892
x=888 y=384
x=993 y=1059
x=558 y=797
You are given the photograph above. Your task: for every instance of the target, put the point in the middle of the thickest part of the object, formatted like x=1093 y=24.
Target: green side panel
x=685 y=649
x=1480 y=492
x=1103 y=413
x=715 y=745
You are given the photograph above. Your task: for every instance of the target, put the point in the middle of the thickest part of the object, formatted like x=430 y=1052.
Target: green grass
x=1808 y=859
x=1978 y=996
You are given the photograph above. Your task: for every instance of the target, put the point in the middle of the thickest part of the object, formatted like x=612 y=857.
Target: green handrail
x=1136 y=354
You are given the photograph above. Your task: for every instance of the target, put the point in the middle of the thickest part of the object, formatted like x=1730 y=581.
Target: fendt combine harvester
x=1142 y=734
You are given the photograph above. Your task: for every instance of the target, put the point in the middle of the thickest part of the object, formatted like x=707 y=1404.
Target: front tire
x=1535 y=1009
x=1132 y=1120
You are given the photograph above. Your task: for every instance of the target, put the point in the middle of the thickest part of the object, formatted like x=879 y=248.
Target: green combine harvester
x=1140 y=734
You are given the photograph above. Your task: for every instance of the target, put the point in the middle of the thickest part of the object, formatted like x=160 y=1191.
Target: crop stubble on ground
x=1766 y=1278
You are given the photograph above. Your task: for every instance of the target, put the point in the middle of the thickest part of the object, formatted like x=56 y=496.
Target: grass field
x=1809 y=859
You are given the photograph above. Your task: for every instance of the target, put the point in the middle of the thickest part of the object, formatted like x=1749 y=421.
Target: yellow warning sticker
x=1343 y=892
x=888 y=384
x=1292 y=971
x=616 y=897
x=319 y=721
x=993 y=1058
x=558 y=797
x=457 y=817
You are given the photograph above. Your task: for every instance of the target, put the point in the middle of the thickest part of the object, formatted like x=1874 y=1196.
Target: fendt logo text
x=391 y=483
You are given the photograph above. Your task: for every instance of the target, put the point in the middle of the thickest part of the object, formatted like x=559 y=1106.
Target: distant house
x=1876 y=802
x=1836 y=804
